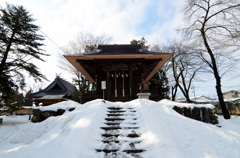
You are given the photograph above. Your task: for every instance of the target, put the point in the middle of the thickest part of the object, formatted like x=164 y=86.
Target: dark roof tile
x=58 y=87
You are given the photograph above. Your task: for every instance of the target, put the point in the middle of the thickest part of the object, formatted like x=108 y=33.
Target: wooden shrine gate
x=125 y=68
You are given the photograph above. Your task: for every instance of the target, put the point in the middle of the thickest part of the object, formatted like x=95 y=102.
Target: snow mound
x=62 y=105
x=76 y=134
x=187 y=105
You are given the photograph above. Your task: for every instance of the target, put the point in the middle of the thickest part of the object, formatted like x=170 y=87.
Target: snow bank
x=76 y=134
x=61 y=105
x=187 y=105
x=69 y=135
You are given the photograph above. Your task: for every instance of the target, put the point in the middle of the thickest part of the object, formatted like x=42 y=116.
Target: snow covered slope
x=77 y=134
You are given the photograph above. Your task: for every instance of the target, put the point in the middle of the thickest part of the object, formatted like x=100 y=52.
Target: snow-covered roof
x=203 y=99
x=52 y=97
x=199 y=99
x=232 y=100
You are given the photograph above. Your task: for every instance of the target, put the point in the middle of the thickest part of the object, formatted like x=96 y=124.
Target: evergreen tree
x=19 y=42
x=28 y=101
x=159 y=84
x=142 y=42
x=16 y=102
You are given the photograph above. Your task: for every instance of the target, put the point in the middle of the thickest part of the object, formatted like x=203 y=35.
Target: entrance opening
x=119 y=83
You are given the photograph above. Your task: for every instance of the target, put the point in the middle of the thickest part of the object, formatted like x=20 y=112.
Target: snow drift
x=76 y=134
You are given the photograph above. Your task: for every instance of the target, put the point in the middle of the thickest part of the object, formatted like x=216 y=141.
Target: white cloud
x=61 y=20
x=115 y=18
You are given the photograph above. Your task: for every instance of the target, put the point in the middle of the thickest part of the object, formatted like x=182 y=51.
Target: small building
x=233 y=105
x=204 y=100
x=126 y=69
x=25 y=110
x=199 y=100
x=59 y=90
x=230 y=94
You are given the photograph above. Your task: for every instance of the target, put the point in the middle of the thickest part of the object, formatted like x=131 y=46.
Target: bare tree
x=183 y=67
x=83 y=42
x=213 y=26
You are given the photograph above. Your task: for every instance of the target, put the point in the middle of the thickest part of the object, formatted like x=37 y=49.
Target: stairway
x=120 y=133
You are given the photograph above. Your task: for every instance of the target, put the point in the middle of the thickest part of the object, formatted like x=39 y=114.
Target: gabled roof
x=119 y=52
x=58 y=87
x=118 y=49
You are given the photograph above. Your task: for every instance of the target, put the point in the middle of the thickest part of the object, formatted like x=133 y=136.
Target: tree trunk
x=174 y=92
x=220 y=97
x=4 y=59
x=217 y=77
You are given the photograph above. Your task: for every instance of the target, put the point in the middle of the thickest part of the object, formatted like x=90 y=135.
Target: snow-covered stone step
x=129 y=151
x=121 y=133
x=114 y=115
x=114 y=119
x=122 y=141
x=115 y=108
x=109 y=141
x=115 y=111
x=112 y=123
x=110 y=128
x=122 y=115
x=114 y=147
x=132 y=135
x=132 y=151
x=107 y=150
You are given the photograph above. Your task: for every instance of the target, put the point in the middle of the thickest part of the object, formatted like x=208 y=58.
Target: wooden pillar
x=108 y=85
x=96 y=81
x=115 y=83
x=130 y=82
x=123 y=90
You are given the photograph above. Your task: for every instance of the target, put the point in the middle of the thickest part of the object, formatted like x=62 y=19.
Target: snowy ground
x=76 y=134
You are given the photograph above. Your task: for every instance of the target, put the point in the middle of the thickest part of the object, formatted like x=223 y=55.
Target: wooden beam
x=118 y=56
x=158 y=66
x=79 y=67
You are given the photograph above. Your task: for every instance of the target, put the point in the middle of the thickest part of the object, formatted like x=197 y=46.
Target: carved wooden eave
x=78 y=61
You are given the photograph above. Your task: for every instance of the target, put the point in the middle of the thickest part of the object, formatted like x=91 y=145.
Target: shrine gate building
x=126 y=69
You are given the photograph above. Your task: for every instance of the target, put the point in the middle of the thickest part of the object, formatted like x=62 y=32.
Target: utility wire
x=51 y=39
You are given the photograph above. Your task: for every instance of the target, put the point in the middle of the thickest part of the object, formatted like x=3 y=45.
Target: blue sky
x=123 y=20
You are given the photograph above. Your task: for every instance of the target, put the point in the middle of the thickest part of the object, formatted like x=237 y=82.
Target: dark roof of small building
x=58 y=87
x=118 y=49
